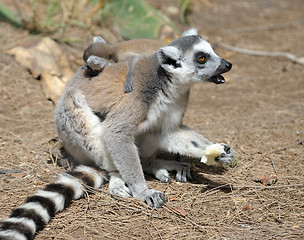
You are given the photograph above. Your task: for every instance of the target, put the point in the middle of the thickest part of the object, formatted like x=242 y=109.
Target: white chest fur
x=167 y=110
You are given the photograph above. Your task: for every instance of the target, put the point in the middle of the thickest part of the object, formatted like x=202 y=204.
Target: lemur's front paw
x=226 y=157
x=155 y=198
x=118 y=187
x=128 y=84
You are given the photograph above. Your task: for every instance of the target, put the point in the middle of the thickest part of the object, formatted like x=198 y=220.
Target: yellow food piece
x=211 y=153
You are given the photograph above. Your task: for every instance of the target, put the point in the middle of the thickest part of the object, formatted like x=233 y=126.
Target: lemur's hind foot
x=161 y=168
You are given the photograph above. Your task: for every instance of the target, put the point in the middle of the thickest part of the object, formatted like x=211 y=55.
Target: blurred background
x=259 y=111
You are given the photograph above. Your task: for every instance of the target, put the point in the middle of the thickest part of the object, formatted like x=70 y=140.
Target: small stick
x=269 y=187
x=299 y=142
x=38 y=155
x=273 y=165
x=267 y=27
x=254 y=188
x=140 y=210
x=262 y=53
x=195 y=224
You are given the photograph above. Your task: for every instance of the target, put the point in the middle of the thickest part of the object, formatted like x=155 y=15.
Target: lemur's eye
x=202 y=59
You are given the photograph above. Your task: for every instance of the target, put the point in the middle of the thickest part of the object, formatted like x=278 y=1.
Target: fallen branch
x=253 y=190
x=272 y=163
x=267 y=27
x=262 y=53
x=195 y=224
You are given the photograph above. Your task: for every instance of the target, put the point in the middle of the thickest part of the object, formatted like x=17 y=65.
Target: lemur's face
x=207 y=66
x=192 y=59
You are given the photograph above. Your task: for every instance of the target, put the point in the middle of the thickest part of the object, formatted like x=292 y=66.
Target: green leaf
x=51 y=12
x=184 y=5
x=233 y=163
x=134 y=18
x=7 y=16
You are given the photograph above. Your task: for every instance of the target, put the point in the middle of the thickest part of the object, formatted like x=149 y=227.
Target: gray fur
x=135 y=128
x=186 y=42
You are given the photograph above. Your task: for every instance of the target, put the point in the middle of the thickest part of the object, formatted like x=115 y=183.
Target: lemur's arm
x=188 y=142
x=128 y=84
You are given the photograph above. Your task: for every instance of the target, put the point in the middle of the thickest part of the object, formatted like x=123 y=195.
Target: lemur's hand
x=218 y=152
x=227 y=156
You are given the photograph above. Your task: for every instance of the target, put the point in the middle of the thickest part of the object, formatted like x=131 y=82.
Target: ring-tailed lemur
x=121 y=133
x=100 y=54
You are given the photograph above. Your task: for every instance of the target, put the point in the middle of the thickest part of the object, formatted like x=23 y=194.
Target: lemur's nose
x=225 y=65
x=228 y=65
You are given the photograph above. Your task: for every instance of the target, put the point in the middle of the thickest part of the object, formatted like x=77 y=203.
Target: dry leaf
x=52 y=86
x=246 y=208
x=46 y=59
x=266 y=181
x=173 y=198
x=18 y=175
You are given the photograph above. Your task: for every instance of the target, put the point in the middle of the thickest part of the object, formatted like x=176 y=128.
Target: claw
x=227 y=157
x=155 y=198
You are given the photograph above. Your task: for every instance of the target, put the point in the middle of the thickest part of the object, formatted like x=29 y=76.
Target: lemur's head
x=191 y=59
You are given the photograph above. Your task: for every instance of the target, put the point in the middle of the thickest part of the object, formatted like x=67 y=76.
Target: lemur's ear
x=169 y=56
x=190 y=32
x=98 y=39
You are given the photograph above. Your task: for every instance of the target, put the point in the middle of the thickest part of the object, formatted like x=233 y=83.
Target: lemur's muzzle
x=225 y=66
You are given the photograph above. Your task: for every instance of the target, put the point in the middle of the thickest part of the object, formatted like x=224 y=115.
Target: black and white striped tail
x=38 y=209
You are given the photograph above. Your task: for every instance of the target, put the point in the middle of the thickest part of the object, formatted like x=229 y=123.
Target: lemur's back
x=122 y=50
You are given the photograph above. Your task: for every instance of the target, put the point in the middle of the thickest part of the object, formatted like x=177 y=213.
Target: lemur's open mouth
x=217 y=79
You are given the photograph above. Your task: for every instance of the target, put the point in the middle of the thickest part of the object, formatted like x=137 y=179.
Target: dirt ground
x=259 y=112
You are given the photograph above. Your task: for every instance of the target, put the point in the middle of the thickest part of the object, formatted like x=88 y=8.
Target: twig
x=5 y=171
x=255 y=188
x=299 y=142
x=156 y=229
x=267 y=27
x=171 y=210
x=140 y=210
x=195 y=224
x=38 y=155
x=262 y=53
x=269 y=187
x=272 y=163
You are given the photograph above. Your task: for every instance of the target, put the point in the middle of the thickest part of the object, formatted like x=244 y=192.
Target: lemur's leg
x=123 y=152
x=128 y=84
x=117 y=186
x=161 y=168
x=148 y=147
x=186 y=142
x=89 y=132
